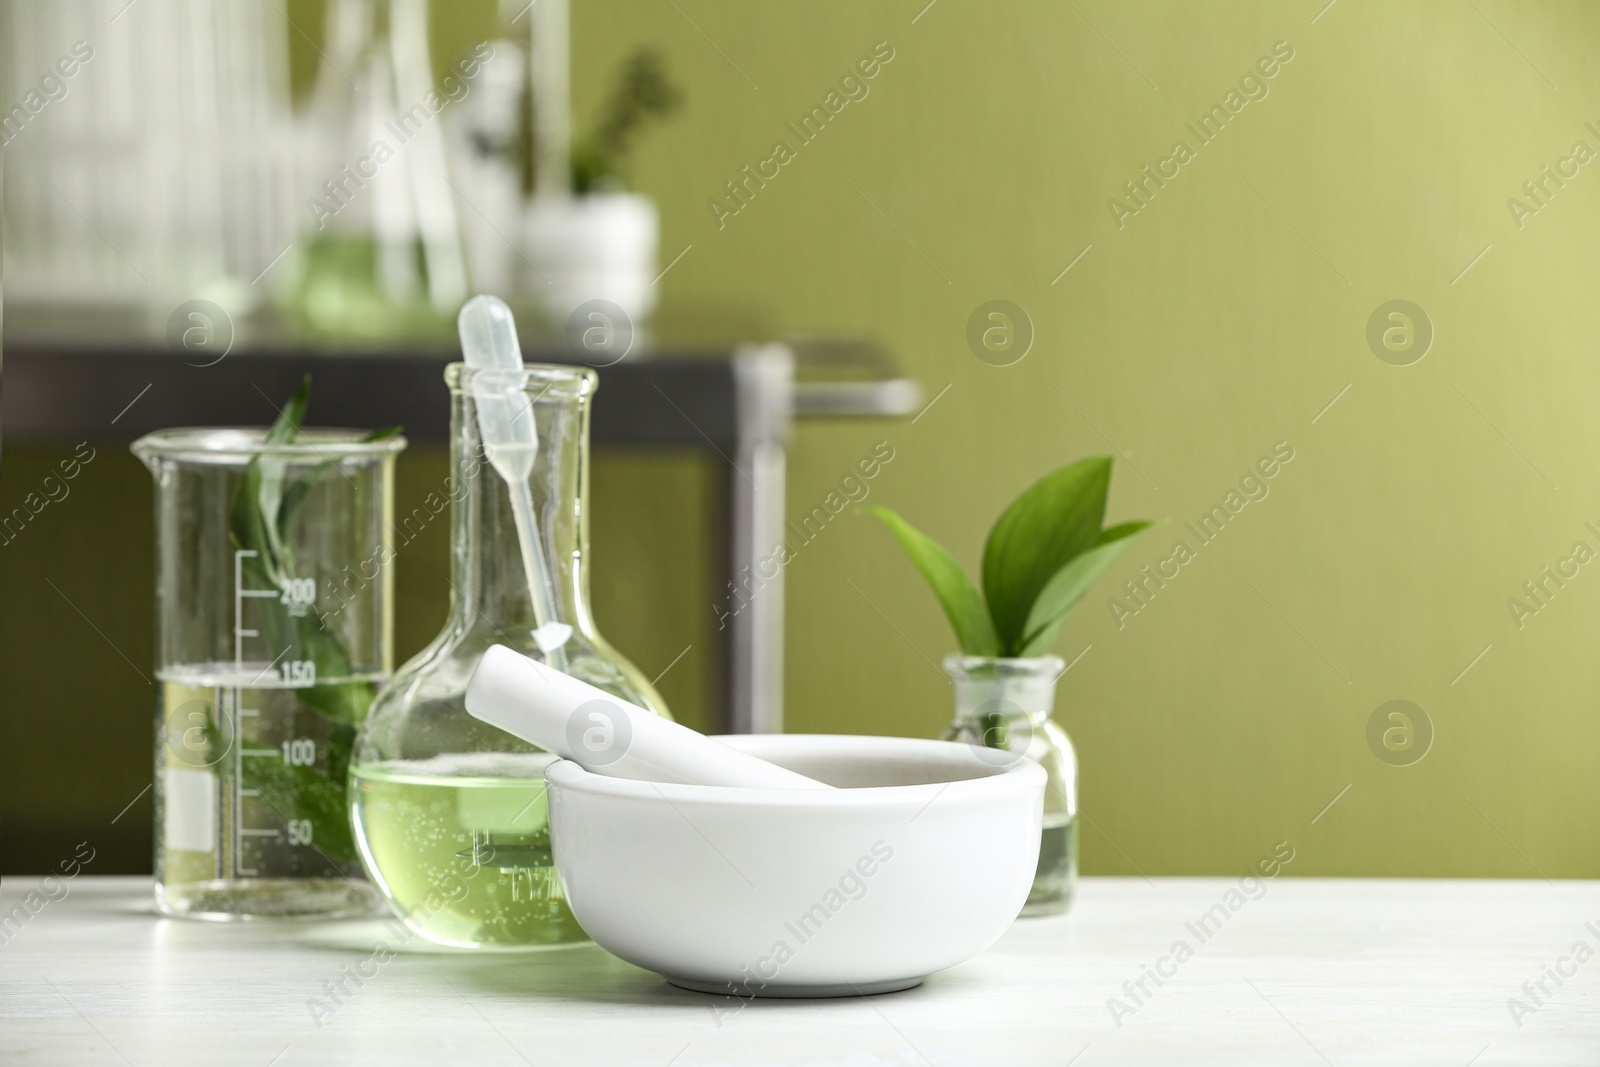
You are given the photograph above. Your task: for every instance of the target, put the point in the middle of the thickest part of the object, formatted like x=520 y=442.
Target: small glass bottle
x=450 y=812
x=1005 y=704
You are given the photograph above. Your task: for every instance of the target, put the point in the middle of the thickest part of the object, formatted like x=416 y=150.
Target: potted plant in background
x=1040 y=558
x=600 y=242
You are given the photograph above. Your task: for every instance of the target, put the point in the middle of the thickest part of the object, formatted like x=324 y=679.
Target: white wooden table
x=1316 y=971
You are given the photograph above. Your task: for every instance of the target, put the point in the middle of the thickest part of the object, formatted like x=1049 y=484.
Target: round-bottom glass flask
x=450 y=812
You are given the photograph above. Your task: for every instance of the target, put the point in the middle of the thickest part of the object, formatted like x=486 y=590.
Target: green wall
x=1219 y=320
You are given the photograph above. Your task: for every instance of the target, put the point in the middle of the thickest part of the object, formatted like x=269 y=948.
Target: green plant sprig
x=1041 y=556
x=642 y=92
x=259 y=518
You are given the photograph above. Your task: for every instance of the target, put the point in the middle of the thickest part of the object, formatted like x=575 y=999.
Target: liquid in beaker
x=251 y=799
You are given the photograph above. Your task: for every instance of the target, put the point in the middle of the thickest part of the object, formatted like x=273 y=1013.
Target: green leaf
x=286 y=427
x=258 y=497
x=258 y=520
x=960 y=600
x=1054 y=520
x=303 y=792
x=295 y=495
x=273 y=471
x=1068 y=586
x=342 y=702
x=306 y=793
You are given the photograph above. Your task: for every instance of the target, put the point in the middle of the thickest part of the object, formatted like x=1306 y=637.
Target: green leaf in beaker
x=301 y=487
x=259 y=521
x=304 y=793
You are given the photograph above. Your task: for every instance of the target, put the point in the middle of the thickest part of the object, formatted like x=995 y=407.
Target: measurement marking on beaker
x=297 y=832
x=268 y=669
x=239 y=634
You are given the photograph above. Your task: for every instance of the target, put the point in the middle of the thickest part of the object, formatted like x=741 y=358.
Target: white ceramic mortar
x=921 y=859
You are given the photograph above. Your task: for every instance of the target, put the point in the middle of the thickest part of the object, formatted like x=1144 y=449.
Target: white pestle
x=605 y=734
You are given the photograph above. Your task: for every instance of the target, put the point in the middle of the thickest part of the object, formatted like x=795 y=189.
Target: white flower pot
x=596 y=247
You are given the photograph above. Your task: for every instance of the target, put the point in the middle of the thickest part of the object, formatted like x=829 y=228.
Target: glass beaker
x=1005 y=705
x=274 y=616
x=450 y=812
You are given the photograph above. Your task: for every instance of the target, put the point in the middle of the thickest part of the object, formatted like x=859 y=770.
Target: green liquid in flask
x=460 y=845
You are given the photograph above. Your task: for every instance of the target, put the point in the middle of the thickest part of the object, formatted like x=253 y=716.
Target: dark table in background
x=736 y=402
